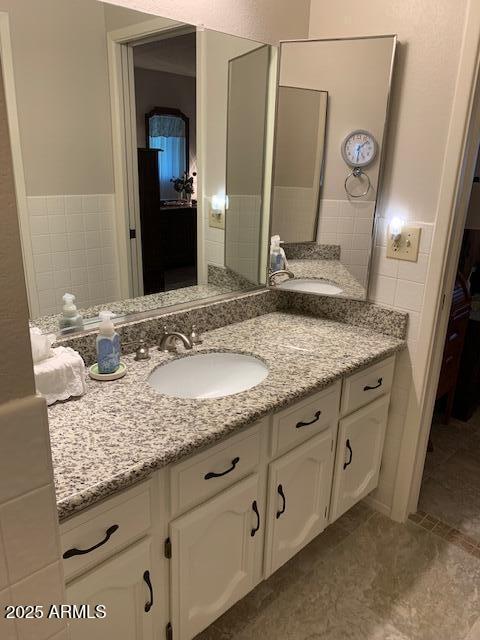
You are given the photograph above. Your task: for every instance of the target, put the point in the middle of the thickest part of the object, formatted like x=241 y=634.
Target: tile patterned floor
x=451 y=482
x=365 y=578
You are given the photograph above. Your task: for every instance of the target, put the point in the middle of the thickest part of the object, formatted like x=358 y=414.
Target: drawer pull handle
x=149 y=604
x=349 y=448
x=212 y=474
x=379 y=384
x=284 y=505
x=306 y=424
x=255 y=510
x=80 y=552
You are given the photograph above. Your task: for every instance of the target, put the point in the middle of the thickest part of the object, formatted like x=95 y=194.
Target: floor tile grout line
x=451 y=535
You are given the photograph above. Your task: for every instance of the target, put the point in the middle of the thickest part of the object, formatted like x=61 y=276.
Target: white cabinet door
x=299 y=485
x=213 y=556
x=121 y=584
x=359 y=454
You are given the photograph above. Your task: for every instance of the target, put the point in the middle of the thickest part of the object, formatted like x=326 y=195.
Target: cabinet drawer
x=305 y=419
x=367 y=385
x=203 y=475
x=96 y=534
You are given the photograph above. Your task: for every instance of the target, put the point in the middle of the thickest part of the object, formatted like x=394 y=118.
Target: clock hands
x=359 y=147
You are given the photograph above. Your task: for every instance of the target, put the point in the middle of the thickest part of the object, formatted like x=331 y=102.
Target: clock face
x=359 y=148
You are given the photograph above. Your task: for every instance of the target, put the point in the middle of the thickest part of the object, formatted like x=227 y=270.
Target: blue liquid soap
x=108 y=345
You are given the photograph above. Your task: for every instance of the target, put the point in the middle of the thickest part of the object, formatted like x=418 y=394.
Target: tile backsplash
x=73 y=245
x=348 y=224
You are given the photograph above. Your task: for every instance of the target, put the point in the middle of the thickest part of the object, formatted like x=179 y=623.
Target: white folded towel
x=41 y=344
x=60 y=376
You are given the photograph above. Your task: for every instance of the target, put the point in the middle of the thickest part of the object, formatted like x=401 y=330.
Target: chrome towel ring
x=357 y=173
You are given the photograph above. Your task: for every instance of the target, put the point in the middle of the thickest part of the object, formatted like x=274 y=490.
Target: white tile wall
x=43 y=588
x=70 y=235
x=33 y=511
x=30 y=566
x=400 y=285
x=349 y=224
x=242 y=235
x=214 y=241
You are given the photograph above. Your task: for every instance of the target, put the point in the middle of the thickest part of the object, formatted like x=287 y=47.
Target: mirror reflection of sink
x=208 y=375
x=311 y=285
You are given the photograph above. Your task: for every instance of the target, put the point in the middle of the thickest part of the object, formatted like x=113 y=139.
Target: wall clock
x=359 y=148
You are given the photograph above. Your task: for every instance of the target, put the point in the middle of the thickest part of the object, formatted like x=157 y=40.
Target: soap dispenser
x=70 y=319
x=108 y=345
x=278 y=259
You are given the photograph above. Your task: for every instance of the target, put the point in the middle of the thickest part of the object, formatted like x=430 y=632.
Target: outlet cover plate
x=216 y=221
x=407 y=248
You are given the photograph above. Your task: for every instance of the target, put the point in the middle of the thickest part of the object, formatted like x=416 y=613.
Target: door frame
x=460 y=156
x=7 y=68
x=120 y=44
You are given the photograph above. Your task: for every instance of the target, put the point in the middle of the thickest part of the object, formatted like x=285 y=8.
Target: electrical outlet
x=407 y=247
x=216 y=220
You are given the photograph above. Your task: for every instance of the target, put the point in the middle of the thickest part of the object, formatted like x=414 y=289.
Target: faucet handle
x=142 y=352
x=195 y=336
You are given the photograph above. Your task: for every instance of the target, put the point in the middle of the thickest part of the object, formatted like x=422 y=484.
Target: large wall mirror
x=332 y=108
x=139 y=147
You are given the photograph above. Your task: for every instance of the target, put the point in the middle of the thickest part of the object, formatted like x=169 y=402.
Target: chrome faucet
x=280 y=272
x=169 y=339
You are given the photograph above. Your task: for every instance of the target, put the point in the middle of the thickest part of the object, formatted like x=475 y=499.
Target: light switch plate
x=407 y=248
x=216 y=221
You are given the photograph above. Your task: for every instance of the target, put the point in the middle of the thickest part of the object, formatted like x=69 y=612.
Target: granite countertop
x=122 y=431
x=123 y=308
x=333 y=271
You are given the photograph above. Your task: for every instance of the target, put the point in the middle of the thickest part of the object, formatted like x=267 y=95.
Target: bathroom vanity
x=230 y=488
x=174 y=506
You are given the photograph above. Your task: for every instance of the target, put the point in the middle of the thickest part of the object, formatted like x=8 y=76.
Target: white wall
x=61 y=82
x=62 y=92
x=430 y=36
x=299 y=150
x=216 y=49
x=264 y=20
x=356 y=75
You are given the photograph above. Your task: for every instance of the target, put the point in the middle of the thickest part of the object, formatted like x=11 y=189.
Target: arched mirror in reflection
x=167 y=133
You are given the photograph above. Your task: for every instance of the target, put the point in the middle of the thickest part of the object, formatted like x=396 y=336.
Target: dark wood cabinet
x=168 y=233
x=454 y=342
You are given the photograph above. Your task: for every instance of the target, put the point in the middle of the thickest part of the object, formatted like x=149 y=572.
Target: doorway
x=152 y=69
x=450 y=491
x=165 y=115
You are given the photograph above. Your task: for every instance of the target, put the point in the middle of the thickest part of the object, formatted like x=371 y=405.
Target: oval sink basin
x=208 y=375
x=310 y=285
